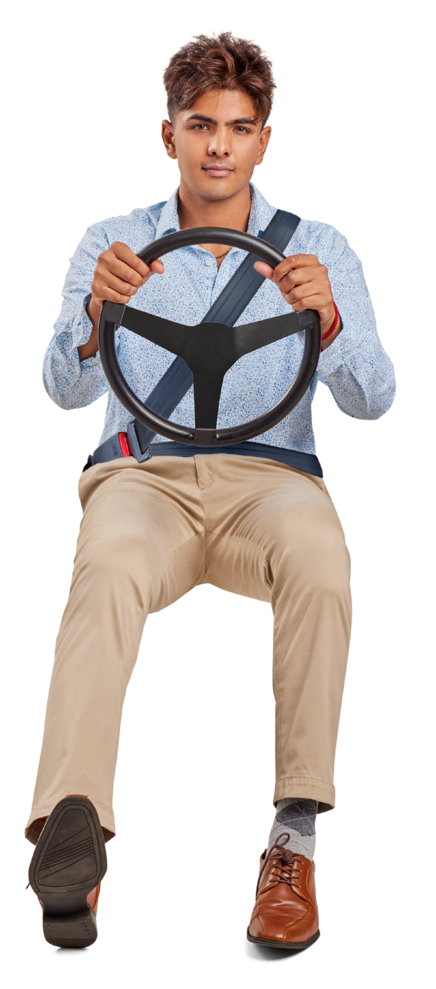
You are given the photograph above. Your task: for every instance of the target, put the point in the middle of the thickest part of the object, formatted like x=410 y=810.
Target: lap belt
x=118 y=446
x=177 y=380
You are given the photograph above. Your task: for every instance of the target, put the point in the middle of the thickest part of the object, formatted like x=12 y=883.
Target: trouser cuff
x=35 y=823
x=307 y=788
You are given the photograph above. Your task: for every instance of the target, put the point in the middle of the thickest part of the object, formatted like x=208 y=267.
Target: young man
x=258 y=523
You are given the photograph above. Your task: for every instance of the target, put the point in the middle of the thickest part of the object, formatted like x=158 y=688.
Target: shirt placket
x=218 y=276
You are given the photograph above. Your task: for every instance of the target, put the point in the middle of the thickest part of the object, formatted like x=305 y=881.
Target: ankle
x=297 y=818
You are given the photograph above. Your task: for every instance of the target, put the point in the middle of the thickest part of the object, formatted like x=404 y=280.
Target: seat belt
x=178 y=378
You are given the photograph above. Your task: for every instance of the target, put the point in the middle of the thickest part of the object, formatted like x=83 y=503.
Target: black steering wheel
x=209 y=349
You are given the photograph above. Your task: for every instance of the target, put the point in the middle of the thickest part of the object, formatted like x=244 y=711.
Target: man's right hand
x=117 y=276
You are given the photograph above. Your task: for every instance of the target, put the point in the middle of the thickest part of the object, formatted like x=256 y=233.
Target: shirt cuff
x=89 y=362
x=82 y=326
x=339 y=352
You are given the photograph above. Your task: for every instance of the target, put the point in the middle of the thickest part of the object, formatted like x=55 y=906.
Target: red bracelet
x=335 y=323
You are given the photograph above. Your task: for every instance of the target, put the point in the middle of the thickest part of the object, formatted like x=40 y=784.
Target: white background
x=193 y=802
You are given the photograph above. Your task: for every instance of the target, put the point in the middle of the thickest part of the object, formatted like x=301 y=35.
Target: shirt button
x=209 y=261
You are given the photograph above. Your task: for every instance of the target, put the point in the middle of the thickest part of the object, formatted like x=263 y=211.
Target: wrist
x=330 y=330
x=90 y=348
x=93 y=309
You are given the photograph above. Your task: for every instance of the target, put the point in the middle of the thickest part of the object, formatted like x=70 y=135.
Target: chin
x=217 y=189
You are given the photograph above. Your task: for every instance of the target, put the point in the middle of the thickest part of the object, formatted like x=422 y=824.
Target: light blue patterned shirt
x=355 y=367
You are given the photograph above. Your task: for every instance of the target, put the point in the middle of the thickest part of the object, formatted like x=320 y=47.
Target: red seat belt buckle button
x=125 y=445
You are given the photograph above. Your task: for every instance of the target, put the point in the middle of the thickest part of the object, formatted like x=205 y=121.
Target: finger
x=124 y=254
x=293 y=281
x=282 y=269
x=299 y=260
x=112 y=265
x=299 y=273
x=112 y=284
x=297 y=267
x=295 y=293
x=127 y=274
x=311 y=288
x=109 y=295
x=306 y=302
x=307 y=281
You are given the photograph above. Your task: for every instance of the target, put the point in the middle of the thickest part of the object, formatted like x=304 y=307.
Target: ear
x=168 y=138
x=265 y=135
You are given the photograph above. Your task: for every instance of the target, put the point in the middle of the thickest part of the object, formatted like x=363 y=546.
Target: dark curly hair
x=221 y=62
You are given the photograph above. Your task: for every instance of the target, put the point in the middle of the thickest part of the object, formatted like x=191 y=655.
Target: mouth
x=218 y=171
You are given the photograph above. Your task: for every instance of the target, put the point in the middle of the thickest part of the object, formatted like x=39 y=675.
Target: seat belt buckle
x=114 y=448
x=132 y=439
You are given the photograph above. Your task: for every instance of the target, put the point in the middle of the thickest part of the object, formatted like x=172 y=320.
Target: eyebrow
x=210 y=120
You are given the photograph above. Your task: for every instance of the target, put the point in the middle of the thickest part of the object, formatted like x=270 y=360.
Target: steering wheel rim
x=114 y=314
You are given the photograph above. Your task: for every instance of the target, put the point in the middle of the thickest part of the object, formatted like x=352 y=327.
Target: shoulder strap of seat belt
x=227 y=309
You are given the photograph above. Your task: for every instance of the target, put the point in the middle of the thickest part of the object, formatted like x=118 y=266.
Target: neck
x=197 y=211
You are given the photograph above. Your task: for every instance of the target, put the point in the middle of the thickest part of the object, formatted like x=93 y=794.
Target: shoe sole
x=68 y=862
x=288 y=945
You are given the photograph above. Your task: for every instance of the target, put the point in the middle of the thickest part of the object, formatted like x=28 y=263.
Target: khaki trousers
x=150 y=532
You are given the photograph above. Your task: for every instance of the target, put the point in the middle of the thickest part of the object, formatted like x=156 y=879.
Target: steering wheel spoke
x=253 y=336
x=167 y=334
x=207 y=393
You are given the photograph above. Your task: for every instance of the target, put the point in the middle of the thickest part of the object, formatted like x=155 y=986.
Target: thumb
x=264 y=269
x=157 y=267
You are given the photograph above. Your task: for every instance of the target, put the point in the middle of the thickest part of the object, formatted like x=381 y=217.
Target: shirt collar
x=260 y=215
x=168 y=220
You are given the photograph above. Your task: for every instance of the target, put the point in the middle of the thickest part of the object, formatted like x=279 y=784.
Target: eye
x=245 y=130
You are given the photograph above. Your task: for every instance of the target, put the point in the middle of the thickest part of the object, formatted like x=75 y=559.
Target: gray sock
x=297 y=818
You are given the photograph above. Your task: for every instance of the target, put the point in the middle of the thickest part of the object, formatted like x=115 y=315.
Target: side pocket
x=268 y=575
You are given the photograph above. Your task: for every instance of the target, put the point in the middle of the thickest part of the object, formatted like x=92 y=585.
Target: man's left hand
x=304 y=284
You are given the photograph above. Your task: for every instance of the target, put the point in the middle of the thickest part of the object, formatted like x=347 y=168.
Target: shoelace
x=284 y=869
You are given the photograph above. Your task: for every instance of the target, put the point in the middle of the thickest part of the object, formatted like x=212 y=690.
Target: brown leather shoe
x=285 y=914
x=67 y=866
x=93 y=896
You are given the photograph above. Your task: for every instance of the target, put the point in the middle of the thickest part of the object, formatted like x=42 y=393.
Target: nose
x=219 y=144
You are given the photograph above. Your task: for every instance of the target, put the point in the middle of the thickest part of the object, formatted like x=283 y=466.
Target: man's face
x=217 y=143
